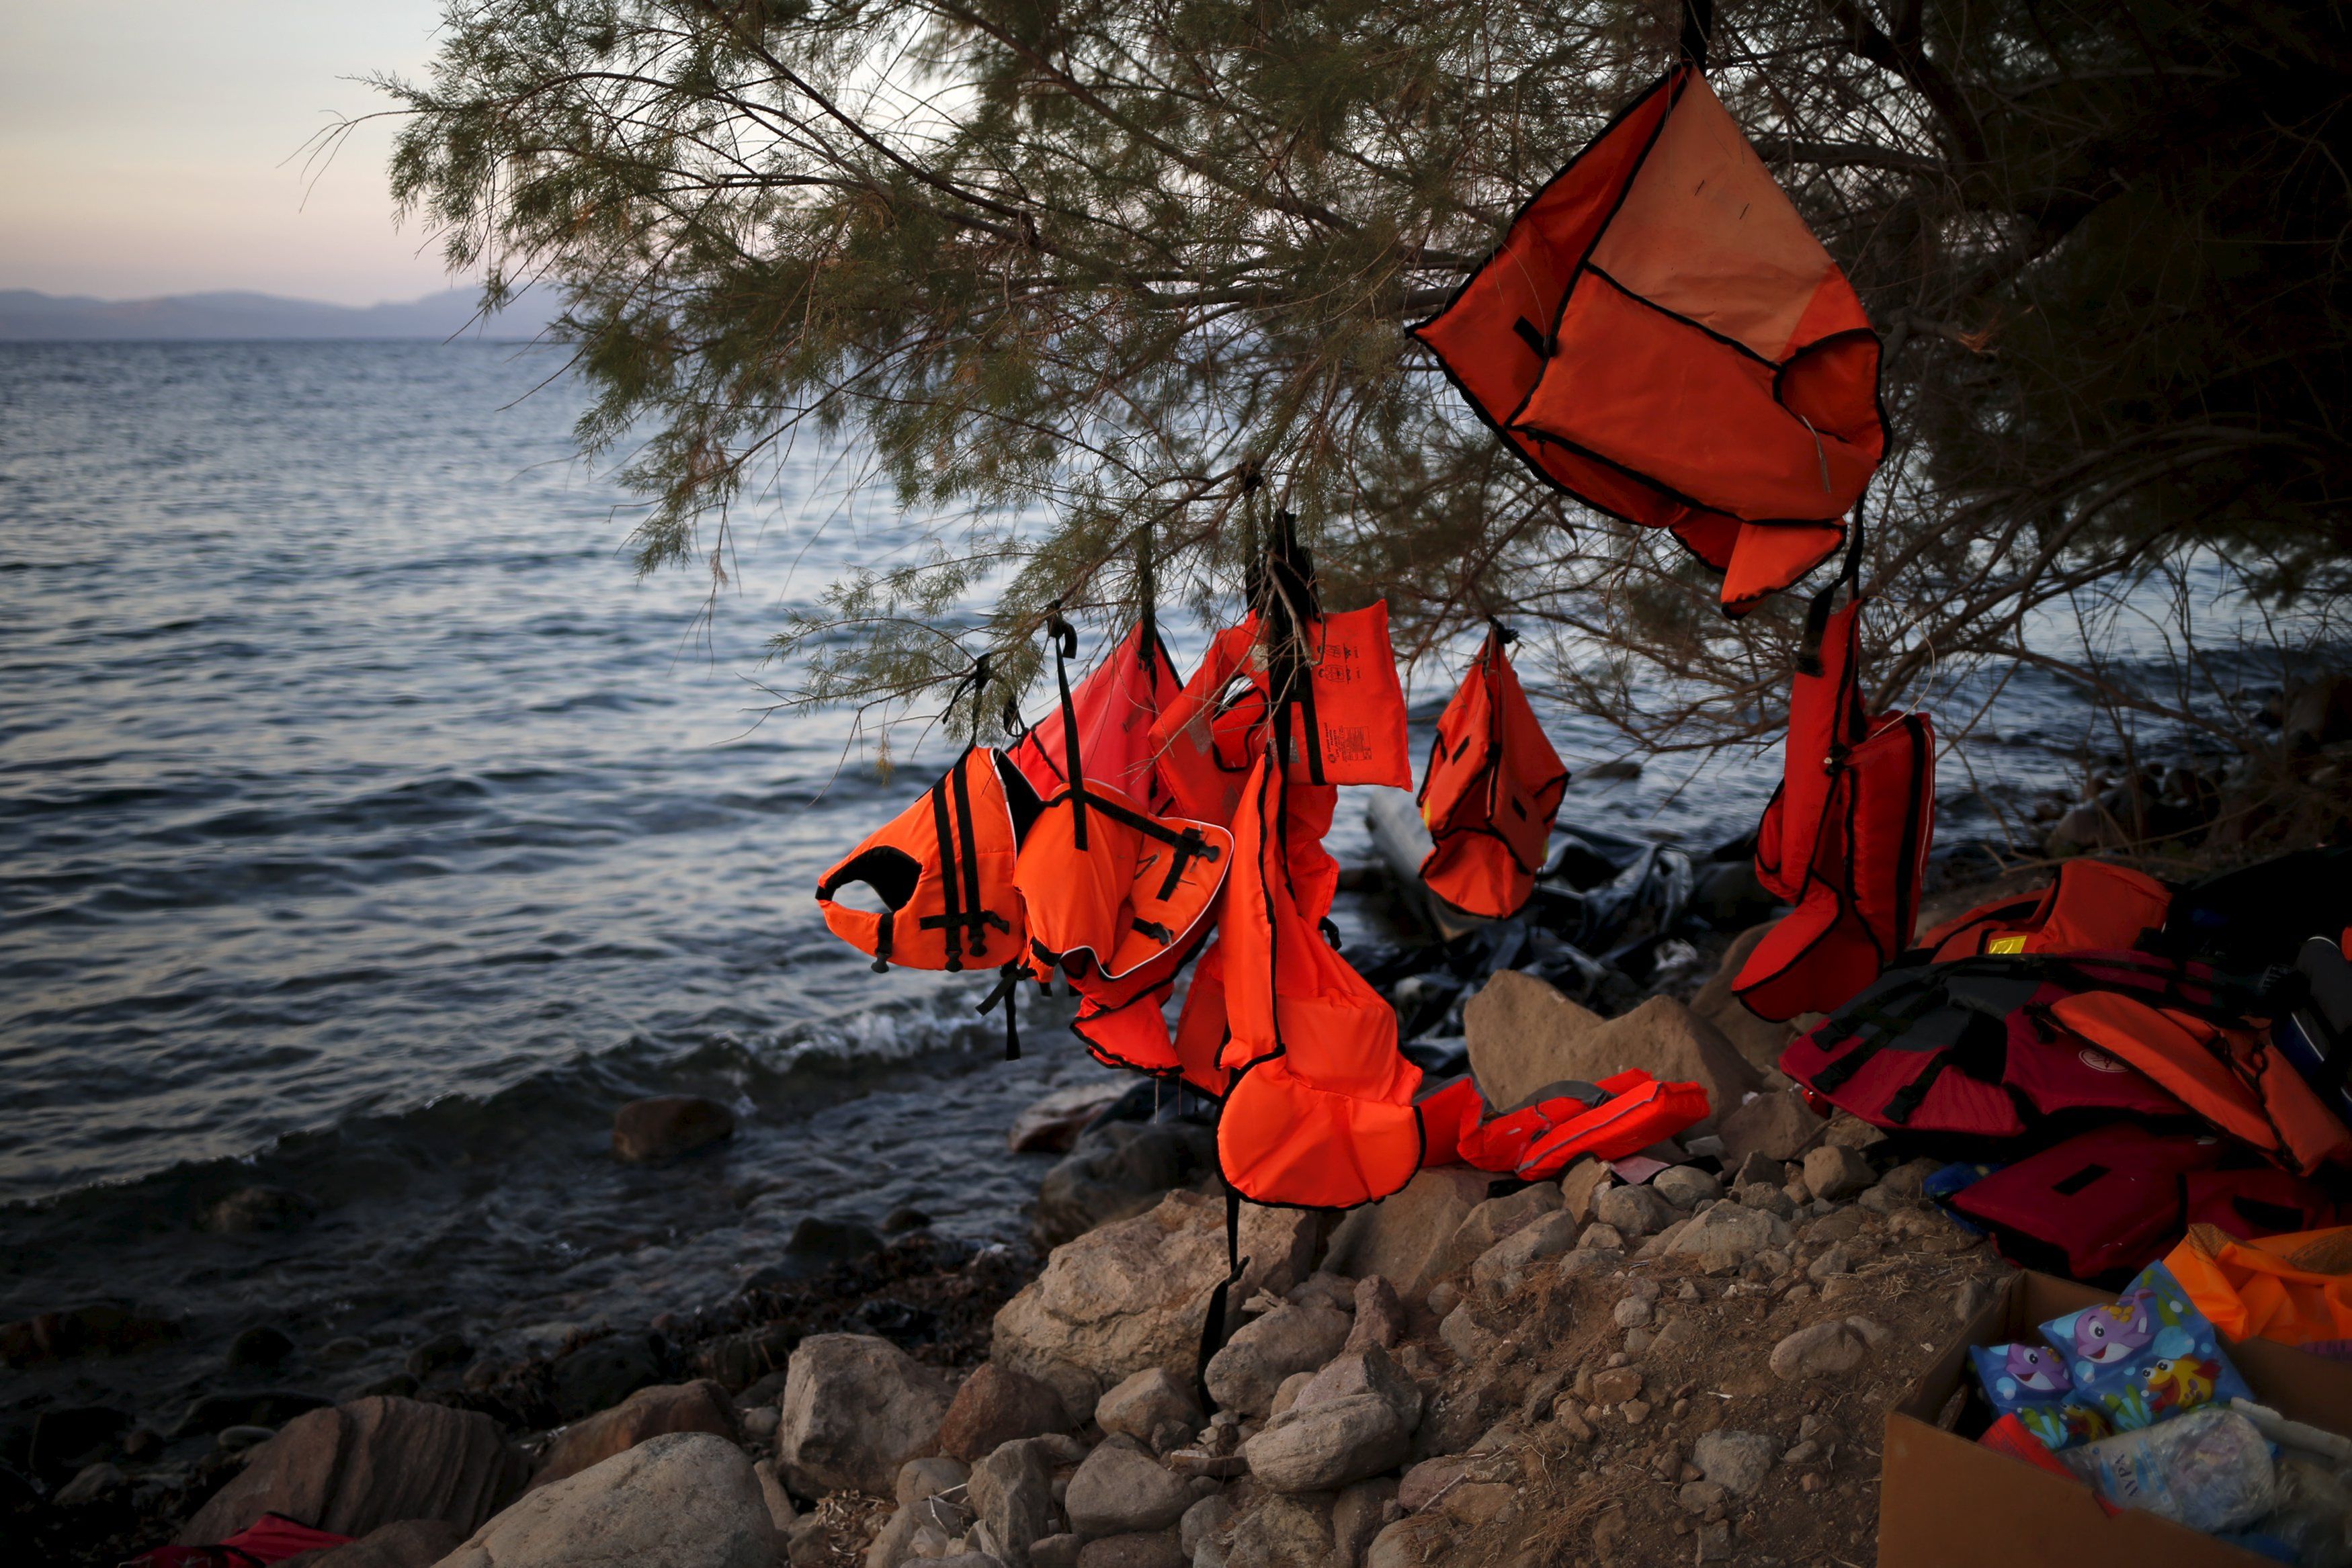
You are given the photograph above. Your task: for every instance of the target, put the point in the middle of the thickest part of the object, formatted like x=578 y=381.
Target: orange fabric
x=944 y=871
x=1660 y=336
x=1355 y=704
x=1491 y=789
x=1117 y=706
x=1135 y=895
x=2090 y=906
x=1541 y=1140
x=1207 y=737
x=1320 y=1113
x=2296 y=1289
x=2231 y=1078
x=1845 y=839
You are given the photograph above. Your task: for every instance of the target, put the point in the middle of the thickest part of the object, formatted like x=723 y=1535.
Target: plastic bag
x=2210 y=1470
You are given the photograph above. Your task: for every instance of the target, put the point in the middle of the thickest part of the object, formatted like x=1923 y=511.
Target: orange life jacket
x=1844 y=839
x=1207 y=736
x=1491 y=789
x=2091 y=907
x=1320 y=1108
x=1115 y=708
x=1634 y=1112
x=1660 y=336
x=944 y=871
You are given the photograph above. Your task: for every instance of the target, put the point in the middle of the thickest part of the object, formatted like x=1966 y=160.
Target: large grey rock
x=1146 y=1404
x=1685 y=1186
x=1402 y=1237
x=1506 y=1266
x=668 y=1125
x=1727 y=1236
x=684 y=1500
x=1776 y=1123
x=1633 y=1211
x=856 y=1407
x=1118 y=1170
x=1735 y=1461
x=995 y=1405
x=1368 y=1369
x=698 y=1407
x=1133 y=1295
x=1012 y=1490
x=1282 y=1532
x=1244 y=1376
x=353 y=1469
x=1492 y=1220
x=1318 y=1448
x=1579 y=1184
x=1119 y=1489
x=1820 y=1349
x=1524 y=1034
x=1836 y=1173
x=1380 y=1315
x=1212 y=1515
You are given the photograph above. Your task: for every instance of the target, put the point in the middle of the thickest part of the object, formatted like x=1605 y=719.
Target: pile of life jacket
x=2144 y=1058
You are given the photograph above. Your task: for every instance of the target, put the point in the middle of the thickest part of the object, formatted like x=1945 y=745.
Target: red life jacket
x=1844 y=839
x=2090 y=906
x=2108 y=1201
x=1490 y=792
x=1208 y=736
x=1114 y=709
x=1660 y=336
x=1320 y=1108
x=943 y=869
x=1624 y=1114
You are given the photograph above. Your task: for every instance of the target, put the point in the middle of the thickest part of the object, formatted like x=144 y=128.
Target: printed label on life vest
x=1347 y=743
x=2098 y=1061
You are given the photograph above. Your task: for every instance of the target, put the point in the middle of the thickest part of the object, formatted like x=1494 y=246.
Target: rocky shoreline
x=1474 y=1370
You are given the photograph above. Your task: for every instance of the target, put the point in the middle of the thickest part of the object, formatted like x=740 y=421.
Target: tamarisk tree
x=1066 y=271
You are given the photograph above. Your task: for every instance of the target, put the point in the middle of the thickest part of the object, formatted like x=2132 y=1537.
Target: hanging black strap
x=951 y=922
x=1213 y=1329
x=1008 y=981
x=1698 y=22
x=1147 y=588
x=1064 y=639
x=1817 y=613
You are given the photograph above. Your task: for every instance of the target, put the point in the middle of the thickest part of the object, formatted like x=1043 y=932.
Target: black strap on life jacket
x=1008 y=982
x=966 y=915
x=1212 y=1327
x=1817 y=612
x=1698 y=22
x=1064 y=639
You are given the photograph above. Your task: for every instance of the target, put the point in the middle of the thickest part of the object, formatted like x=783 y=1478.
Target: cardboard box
x=1945 y=1501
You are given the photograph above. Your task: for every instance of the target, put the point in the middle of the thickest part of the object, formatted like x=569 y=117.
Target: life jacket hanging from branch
x=1660 y=336
x=1492 y=788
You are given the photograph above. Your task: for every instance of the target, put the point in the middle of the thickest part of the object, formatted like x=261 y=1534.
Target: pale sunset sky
x=152 y=147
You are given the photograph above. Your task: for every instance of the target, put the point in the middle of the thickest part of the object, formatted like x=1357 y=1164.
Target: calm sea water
x=368 y=828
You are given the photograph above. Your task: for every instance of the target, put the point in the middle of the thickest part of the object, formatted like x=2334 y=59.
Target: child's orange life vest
x=2090 y=906
x=1490 y=792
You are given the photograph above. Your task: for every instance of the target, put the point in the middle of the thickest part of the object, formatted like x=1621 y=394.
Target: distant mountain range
x=29 y=316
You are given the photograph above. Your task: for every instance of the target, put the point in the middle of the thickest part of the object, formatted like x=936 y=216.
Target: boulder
x=1633 y=1211
x=1244 y=1376
x=1012 y=1490
x=1492 y=1221
x=1141 y=1549
x=1685 y=1186
x=1369 y=1370
x=668 y=1125
x=1119 y=1489
x=1777 y=1125
x=1210 y=1516
x=1052 y=1126
x=698 y=1407
x=1320 y=1446
x=1134 y=1294
x=995 y=1405
x=1836 y=1173
x=1144 y=1406
x=1737 y=1462
x=1505 y=1267
x=1281 y=1532
x=1528 y=1035
x=1822 y=1350
x=684 y=1500
x=1379 y=1316
x=927 y=1477
x=1727 y=1236
x=856 y=1407
x=1401 y=1237
x=409 y=1543
x=1118 y=1170
x=353 y=1469
x=1759 y=1041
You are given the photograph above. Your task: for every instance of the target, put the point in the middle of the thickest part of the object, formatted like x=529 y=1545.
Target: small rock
x=781 y=1512
x=1367 y=1370
x=856 y=1407
x=1633 y=1211
x=1380 y=1315
x=1846 y=1130
x=1698 y=1497
x=1056 y=1551
x=1142 y=1404
x=1873 y=1334
x=1735 y=1461
x=1323 y=1288
x=1726 y=1237
x=1802 y=1453
x=927 y=1477
x=1012 y=1490
x=759 y=1422
x=1777 y=1125
x=237 y=1440
x=1244 y=1374
x=1280 y=1532
x=1635 y=1411
x=1357 y=1515
x=1503 y=1267
x=1599 y=1236
x=995 y=1405
x=1685 y=1186
x=1203 y=1519
x=443 y=1350
x=1759 y=1167
x=1632 y=1313
x=1973 y=1297
x=668 y=1125
x=1579 y=1186
x=1836 y=1172
x=1714 y=1541
x=1822 y=1350
x=1616 y=1385
x=1768 y=1199
x=1118 y=1490
x=1325 y=1445
x=91 y=1483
